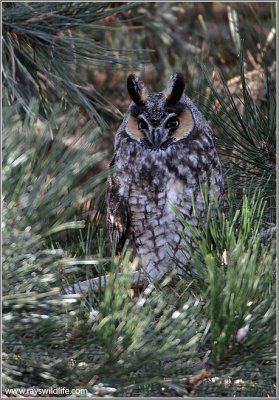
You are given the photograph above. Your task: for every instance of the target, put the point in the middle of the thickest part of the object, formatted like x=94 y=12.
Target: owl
x=163 y=153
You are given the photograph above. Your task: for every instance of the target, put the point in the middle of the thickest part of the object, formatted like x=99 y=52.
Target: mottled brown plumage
x=163 y=151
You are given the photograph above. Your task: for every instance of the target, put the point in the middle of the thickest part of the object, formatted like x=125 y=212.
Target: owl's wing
x=117 y=214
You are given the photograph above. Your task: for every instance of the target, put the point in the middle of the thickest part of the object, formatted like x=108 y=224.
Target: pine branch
x=245 y=133
x=46 y=44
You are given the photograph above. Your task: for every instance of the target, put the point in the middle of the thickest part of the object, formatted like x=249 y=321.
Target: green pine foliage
x=247 y=138
x=234 y=273
x=45 y=46
x=208 y=331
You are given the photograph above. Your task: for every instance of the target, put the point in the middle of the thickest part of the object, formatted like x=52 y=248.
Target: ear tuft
x=137 y=90
x=175 y=88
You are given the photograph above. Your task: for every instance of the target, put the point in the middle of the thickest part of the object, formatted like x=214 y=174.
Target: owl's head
x=158 y=120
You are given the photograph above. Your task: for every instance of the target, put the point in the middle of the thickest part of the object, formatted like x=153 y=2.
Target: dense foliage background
x=64 y=94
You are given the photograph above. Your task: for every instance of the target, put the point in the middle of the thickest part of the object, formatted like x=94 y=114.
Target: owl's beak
x=157 y=136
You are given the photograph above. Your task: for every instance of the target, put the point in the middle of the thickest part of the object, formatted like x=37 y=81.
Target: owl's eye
x=172 y=123
x=142 y=124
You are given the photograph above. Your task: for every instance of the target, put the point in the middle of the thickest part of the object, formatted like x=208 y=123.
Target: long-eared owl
x=163 y=152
